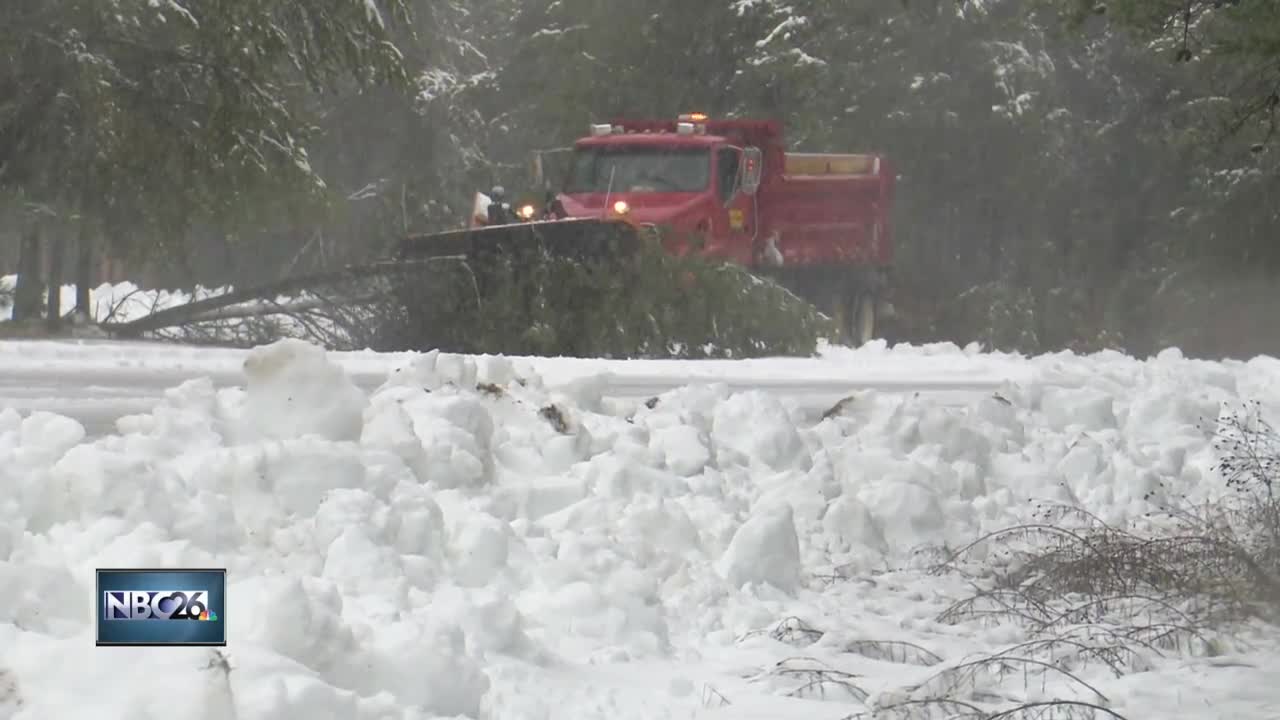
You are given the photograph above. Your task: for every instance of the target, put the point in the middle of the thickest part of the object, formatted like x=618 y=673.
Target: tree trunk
x=26 y=300
x=84 y=270
x=57 y=250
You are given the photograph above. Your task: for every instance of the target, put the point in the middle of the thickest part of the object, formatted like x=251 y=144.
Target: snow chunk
x=355 y=562
x=10 y=421
x=754 y=427
x=1085 y=407
x=434 y=370
x=301 y=472
x=909 y=511
x=294 y=390
x=852 y=526
x=764 y=550
x=49 y=435
x=42 y=598
x=298 y=617
x=420 y=530
x=427 y=665
x=494 y=370
x=480 y=549
x=445 y=436
x=684 y=448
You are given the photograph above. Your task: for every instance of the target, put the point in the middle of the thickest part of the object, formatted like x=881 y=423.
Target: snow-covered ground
x=485 y=537
x=117 y=302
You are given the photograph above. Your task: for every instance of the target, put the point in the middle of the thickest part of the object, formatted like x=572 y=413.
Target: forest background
x=1073 y=175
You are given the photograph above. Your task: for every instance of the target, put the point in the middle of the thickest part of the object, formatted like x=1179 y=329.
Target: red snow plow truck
x=819 y=224
x=816 y=224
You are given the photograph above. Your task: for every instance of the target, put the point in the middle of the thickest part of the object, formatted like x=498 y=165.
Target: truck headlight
x=621 y=207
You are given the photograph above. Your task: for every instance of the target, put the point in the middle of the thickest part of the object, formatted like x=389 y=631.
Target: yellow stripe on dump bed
x=829 y=164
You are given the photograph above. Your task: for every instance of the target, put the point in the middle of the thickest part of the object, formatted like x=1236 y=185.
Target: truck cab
x=687 y=180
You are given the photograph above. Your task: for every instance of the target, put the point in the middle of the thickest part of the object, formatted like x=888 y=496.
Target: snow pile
x=467 y=542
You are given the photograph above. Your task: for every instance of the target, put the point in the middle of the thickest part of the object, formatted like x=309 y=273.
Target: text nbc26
x=157 y=605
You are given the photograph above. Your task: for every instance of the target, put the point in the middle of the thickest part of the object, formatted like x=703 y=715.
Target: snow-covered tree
x=143 y=116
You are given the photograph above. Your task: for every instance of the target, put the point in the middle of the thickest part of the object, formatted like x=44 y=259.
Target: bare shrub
x=792 y=631
x=1248 y=449
x=713 y=698
x=812 y=679
x=894 y=651
x=957 y=710
x=1198 y=568
x=1092 y=594
x=979 y=688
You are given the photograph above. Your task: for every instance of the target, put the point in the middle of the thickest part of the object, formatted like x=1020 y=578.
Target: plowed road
x=97 y=382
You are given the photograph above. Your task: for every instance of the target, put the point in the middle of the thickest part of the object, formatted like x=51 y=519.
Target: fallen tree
x=648 y=305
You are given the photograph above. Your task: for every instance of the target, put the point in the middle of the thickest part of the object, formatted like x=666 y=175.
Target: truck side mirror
x=549 y=167
x=752 y=166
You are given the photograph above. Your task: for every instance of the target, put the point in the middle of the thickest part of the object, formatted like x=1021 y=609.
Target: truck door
x=735 y=225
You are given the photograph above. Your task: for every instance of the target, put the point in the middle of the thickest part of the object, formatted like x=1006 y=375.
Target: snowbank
x=465 y=541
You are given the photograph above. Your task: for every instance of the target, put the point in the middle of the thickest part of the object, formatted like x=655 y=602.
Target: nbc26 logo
x=179 y=607
x=157 y=605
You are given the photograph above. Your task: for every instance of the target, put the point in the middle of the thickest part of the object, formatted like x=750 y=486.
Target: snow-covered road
x=97 y=382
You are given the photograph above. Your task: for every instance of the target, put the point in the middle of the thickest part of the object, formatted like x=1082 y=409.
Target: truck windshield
x=639 y=169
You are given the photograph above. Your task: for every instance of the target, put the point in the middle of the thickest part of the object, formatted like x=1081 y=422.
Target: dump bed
x=830 y=164
x=830 y=209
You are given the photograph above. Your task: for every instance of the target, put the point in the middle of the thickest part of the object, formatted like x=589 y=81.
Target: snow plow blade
x=582 y=239
x=499 y=266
